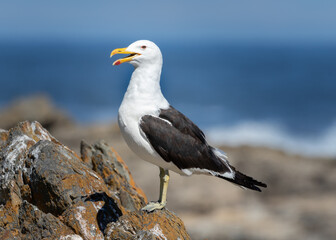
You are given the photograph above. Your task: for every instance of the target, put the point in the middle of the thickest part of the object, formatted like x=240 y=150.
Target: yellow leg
x=164 y=180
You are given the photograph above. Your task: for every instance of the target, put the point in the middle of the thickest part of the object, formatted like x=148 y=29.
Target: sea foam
x=272 y=135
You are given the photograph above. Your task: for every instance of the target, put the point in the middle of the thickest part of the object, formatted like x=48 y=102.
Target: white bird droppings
x=156 y=231
x=71 y=237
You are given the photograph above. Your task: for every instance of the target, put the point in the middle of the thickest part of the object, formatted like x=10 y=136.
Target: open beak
x=125 y=59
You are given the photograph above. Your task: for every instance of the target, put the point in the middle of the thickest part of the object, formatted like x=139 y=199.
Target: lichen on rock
x=162 y=225
x=49 y=192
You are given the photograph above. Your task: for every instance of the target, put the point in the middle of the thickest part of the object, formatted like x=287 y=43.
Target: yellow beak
x=125 y=59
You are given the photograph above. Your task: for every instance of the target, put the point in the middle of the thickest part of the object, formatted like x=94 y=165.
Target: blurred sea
x=276 y=95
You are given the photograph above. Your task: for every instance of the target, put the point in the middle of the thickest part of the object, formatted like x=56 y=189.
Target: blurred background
x=259 y=77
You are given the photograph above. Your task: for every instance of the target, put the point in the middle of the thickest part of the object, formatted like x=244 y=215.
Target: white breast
x=129 y=117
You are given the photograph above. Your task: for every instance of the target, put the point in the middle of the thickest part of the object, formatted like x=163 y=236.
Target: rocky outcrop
x=34 y=108
x=49 y=192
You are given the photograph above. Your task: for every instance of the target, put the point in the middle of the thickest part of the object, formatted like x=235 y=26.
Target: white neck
x=145 y=80
x=144 y=87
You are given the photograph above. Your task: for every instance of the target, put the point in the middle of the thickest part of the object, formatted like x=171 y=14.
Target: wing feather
x=182 y=123
x=181 y=143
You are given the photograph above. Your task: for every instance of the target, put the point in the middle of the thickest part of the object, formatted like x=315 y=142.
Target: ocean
x=264 y=94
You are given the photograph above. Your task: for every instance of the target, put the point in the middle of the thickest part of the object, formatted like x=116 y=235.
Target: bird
x=158 y=133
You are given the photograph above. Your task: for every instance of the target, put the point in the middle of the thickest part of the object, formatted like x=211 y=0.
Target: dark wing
x=176 y=139
x=182 y=123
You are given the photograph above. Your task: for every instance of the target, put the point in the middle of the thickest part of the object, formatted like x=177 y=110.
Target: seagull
x=160 y=134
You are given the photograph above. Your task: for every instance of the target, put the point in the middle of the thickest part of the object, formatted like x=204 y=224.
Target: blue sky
x=171 y=20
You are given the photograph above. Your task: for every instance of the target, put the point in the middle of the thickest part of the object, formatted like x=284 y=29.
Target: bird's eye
x=143 y=47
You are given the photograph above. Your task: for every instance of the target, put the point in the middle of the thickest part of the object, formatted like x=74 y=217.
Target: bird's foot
x=150 y=207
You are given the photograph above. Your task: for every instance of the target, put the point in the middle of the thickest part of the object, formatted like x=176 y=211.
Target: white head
x=142 y=53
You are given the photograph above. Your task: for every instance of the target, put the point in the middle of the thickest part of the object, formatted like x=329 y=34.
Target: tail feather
x=235 y=176
x=245 y=181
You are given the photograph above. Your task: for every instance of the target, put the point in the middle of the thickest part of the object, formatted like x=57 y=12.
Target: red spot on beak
x=117 y=63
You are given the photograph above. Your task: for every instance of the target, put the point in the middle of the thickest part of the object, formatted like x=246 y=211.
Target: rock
x=3 y=136
x=147 y=226
x=34 y=108
x=9 y=223
x=82 y=218
x=92 y=215
x=48 y=192
x=35 y=224
x=108 y=164
x=14 y=148
x=54 y=171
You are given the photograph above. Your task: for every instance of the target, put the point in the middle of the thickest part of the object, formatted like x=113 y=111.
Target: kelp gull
x=160 y=134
